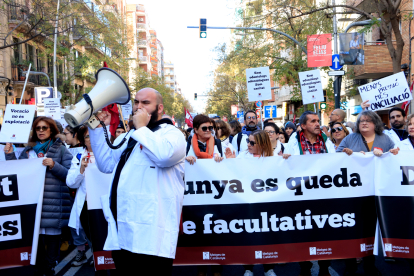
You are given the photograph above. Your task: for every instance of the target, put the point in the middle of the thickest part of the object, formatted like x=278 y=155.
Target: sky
x=193 y=57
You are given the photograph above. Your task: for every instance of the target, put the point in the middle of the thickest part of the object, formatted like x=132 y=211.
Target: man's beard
x=397 y=125
x=154 y=116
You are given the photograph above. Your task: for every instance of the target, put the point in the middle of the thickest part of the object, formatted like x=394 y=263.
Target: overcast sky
x=192 y=56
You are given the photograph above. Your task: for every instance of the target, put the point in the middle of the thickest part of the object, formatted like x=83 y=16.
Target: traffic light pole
x=338 y=79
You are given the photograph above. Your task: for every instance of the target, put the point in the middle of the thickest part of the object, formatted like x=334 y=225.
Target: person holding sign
x=46 y=143
x=408 y=143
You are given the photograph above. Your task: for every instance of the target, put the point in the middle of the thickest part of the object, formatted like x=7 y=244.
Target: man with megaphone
x=143 y=207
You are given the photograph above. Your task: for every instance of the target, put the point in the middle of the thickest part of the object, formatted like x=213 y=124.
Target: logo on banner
x=388 y=247
x=101 y=260
x=8 y=188
x=258 y=254
x=24 y=256
x=363 y=247
x=13 y=137
x=10 y=227
x=312 y=250
x=206 y=255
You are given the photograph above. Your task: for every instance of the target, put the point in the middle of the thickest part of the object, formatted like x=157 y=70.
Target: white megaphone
x=110 y=88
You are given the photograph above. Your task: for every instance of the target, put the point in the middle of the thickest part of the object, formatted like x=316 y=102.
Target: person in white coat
x=273 y=131
x=144 y=205
x=239 y=139
x=408 y=143
x=223 y=133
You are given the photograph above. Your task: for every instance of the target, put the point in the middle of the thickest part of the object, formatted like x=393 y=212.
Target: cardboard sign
x=17 y=123
x=52 y=108
x=311 y=86
x=386 y=92
x=258 y=84
x=126 y=110
x=319 y=50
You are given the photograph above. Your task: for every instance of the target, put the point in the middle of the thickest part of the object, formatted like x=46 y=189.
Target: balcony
x=142 y=26
x=377 y=65
x=141 y=9
x=143 y=59
x=142 y=43
x=17 y=11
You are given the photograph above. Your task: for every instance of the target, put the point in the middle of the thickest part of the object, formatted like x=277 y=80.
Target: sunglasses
x=337 y=129
x=251 y=118
x=204 y=128
x=42 y=128
x=252 y=143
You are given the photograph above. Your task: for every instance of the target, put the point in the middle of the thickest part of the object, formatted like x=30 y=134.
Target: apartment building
x=170 y=77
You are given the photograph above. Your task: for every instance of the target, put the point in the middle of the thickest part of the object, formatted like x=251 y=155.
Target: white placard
x=311 y=86
x=63 y=123
x=126 y=110
x=386 y=92
x=52 y=108
x=258 y=84
x=17 y=123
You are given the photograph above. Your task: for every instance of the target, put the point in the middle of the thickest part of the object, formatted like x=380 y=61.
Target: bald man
x=143 y=206
x=338 y=116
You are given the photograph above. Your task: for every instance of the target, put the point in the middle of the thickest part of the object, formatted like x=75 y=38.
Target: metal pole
x=338 y=79
x=25 y=82
x=54 y=53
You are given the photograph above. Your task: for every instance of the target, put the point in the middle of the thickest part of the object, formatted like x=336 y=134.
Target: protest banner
x=319 y=48
x=126 y=110
x=21 y=198
x=52 y=108
x=97 y=185
x=394 y=190
x=311 y=86
x=17 y=123
x=297 y=212
x=2 y=156
x=258 y=84
x=386 y=92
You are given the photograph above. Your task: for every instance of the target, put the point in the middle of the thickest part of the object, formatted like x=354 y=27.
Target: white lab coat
x=226 y=144
x=405 y=144
x=76 y=180
x=394 y=136
x=292 y=146
x=243 y=143
x=150 y=190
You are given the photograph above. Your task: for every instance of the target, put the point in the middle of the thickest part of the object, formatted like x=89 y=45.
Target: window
x=16 y=50
x=30 y=54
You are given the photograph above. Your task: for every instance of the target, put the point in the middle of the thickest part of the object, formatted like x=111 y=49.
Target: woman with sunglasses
x=338 y=133
x=273 y=131
x=46 y=143
x=258 y=145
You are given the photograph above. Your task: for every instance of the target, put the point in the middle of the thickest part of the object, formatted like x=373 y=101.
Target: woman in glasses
x=258 y=145
x=71 y=137
x=338 y=133
x=223 y=133
x=46 y=143
x=273 y=131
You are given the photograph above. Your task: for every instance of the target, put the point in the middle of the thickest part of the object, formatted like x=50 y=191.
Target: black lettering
x=325 y=181
x=405 y=174
x=355 y=180
x=236 y=186
x=200 y=187
x=190 y=186
x=8 y=225
x=257 y=185
x=220 y=188
x=297 y=186
x=272 y=185
x=343 y=177
x=308 y=184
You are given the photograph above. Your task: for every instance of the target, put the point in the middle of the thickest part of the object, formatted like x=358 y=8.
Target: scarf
x=41 y=149
x=122 y=161
x=247 y=130
x=208 y=154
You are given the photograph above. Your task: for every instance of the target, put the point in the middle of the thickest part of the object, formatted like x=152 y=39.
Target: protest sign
x=126 y=110
x=298 y=212
x=2 y=156
x=258 y=84
x=97 y=185
x=21 y=198
x=42 y=93
x=17 y=123
x=386 y=92
x=311 y=86
x=52 y=108
x=319 y=48
x=394 y=190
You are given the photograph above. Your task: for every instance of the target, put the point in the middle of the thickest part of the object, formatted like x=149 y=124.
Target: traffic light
x=203 y=28
x=195 y=96
x=322 y=105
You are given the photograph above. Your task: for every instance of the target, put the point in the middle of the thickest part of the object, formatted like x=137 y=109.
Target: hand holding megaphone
x=105 y=117
x=141 y=118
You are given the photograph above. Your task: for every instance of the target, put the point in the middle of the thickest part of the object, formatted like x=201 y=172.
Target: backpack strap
x=239 y=138
x=283 y=148
x=188 y=145
x=217 y=142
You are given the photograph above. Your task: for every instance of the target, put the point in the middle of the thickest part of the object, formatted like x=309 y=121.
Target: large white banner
x=21 y=197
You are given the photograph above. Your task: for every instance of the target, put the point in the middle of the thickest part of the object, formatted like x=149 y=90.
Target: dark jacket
x=57 y=203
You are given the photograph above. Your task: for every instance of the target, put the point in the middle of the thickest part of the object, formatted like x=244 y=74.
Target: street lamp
x=38 y=73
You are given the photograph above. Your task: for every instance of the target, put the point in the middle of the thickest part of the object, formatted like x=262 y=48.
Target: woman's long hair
x=263 y=142
x=52 y=125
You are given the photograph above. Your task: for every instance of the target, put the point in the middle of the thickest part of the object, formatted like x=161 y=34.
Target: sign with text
x=52 y=108
x=42 y=93
x=258 y=84
x=126 y=110
x=17 y=123
x=319 y=48
x=311 y=86
x=296 y=213
x=386 y=92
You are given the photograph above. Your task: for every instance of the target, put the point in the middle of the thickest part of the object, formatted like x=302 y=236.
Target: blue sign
x=259 y=104
x=335 y=63
x=270 y=111
x=240 y=114
x=355 y=109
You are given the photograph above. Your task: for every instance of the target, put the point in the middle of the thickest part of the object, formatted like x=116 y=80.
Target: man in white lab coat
x=143 y=207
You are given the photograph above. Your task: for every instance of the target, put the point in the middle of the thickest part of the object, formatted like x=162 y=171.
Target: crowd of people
x=146 y=194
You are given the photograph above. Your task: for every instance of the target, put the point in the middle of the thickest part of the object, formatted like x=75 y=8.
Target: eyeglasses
x=252 y=143
x=204 y=128
x=270 y=131
x=218 y=128
x=365 y=121
x=42 y=128
x=337 y=129
x=251 y=118
x=87 y=137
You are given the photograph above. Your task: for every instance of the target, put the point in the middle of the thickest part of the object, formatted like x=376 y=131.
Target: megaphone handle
x=107 y=137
